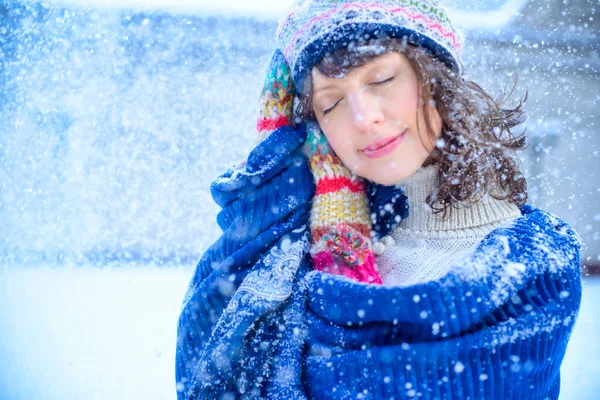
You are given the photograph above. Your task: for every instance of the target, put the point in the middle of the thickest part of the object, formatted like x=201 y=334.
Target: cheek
x=334 y=130
x=342 y=146
x=404 y=102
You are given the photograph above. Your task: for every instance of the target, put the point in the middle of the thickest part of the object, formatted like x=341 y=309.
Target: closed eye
x=382 y=82
x=332 y=107
x=373 y=83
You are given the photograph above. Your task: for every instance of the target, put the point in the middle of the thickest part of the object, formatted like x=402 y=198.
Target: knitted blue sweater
x=258 y=323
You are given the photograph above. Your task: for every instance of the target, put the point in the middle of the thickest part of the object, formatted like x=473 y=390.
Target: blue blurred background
x=113 y=122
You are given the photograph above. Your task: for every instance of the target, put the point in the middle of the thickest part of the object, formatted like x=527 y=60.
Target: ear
x=435 y=120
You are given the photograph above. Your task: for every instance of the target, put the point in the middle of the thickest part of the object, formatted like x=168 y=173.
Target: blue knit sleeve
x=266 y=205
x=495 y=327
x=260 y=199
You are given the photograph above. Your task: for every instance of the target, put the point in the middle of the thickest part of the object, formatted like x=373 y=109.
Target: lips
x=384 y=146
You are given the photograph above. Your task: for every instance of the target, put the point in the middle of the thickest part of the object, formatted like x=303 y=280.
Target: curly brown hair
x=476 y=151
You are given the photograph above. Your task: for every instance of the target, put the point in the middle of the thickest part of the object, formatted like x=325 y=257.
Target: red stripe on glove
x=329 y=185
x=272 y=123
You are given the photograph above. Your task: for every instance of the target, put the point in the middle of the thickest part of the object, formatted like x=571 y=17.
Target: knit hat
x=314 y=28
x=343 y=214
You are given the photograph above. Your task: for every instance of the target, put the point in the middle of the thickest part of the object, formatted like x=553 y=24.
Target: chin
x=387 y=180
x=396 y=176
x=393 y=177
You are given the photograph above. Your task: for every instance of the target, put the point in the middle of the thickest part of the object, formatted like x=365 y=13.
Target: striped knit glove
x=277 y=99
x=340 y=220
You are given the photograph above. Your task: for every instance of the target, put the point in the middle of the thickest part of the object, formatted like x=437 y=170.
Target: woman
x=400 y=260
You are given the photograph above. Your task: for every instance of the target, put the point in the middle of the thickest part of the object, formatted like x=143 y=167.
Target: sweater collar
x=421 y=217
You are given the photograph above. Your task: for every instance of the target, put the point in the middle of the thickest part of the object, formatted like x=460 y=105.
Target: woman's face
x=373 y=119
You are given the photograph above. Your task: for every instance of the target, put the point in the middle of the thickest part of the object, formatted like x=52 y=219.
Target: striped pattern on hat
x=315 y=27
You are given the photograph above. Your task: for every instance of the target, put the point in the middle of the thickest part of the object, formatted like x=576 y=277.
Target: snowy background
x=116 y=116
x=91 y=333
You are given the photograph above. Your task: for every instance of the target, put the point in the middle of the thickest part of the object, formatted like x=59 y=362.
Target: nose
x=367 y=113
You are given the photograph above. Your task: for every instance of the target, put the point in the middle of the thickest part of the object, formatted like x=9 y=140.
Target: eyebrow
x=322 y=89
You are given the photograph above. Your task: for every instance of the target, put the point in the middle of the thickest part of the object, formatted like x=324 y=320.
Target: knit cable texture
x=423 y=246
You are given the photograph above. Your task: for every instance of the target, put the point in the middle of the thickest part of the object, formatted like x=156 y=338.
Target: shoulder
x=534 y=233
x=550 y=246
x=545 y=225
x=536 y=244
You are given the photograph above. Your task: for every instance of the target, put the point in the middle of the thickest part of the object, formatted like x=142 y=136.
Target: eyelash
x=374 y=83
x=382 y=82
x=331 y=108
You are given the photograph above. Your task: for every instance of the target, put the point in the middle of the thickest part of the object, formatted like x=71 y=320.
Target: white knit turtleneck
x=424 y=246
